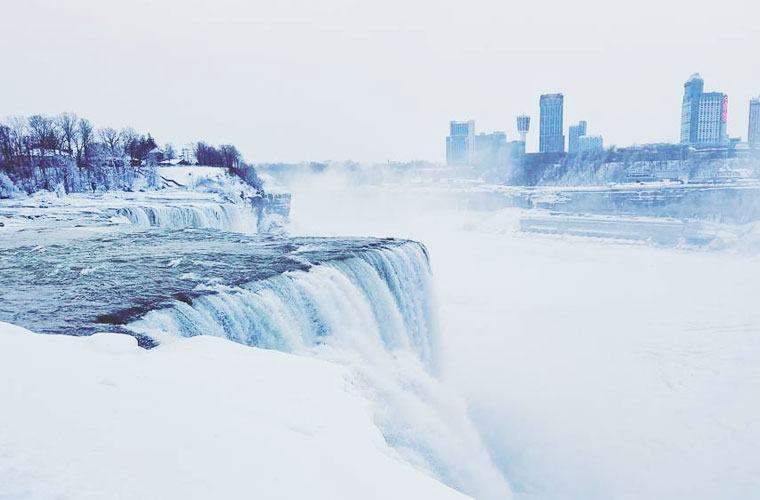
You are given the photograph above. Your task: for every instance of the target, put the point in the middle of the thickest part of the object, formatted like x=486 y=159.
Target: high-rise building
x=753 y=135
x=573 y=133
x=692 y=92
x=490 y=149
x=523 y=125
x=704 y=115
x=713 y=116
x=590 y=144
x=551 y=138
x=460 y=143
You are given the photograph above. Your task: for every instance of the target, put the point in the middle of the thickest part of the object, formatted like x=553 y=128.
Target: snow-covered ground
x=98 y=417
x=594 y=368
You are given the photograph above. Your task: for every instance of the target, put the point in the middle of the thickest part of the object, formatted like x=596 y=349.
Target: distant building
x=692 y=92
x=704 y=115
x=753 y=135
x=515 y=149
x=590 y=144
x=523 y=126
x=574 y=132
x=490 y=149
x=551 y=138
x=713 y=116
x=460 y=143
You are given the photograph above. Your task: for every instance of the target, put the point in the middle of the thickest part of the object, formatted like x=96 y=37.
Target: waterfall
x=224 y=216
x=371 y=312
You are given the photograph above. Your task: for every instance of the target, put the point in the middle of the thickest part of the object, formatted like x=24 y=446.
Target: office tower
x=460 y=143
x=713 y=115
x=692 y=92
x=704 y=115
x=551 y=138
x=574 y=132
x=753 y=135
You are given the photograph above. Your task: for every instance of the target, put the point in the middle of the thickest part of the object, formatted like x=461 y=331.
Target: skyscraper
x=753 y=136
x=692 y=92
x=551 y=138
x=574 y=132
x=460 y=143
x=713 y=115
x=704 y=115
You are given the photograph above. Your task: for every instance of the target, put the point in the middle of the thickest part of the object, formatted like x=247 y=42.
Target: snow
x=98 y=417
x=593 y=368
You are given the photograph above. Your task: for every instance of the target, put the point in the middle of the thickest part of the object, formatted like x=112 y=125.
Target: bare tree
x=111 y=138
x=19 y=135
x=169 y=152
x=43 y=133
x=68 y=125
x=85 y=138
x=230 y=156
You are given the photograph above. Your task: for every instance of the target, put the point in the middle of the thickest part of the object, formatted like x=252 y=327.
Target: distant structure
x=523 y=126
x=574 y=132
x=753 y=135
x=704 y=115
x=460 y=143
x=490 y=149
x=692 y=92
x=551 y=138
x=590 y=144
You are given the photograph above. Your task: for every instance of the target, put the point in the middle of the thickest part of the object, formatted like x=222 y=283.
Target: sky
x=299 y=80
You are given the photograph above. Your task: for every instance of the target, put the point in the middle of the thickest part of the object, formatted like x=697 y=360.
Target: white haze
x=593 y=369
x=338 y=79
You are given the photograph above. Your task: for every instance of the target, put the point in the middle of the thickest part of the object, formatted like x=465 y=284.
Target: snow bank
x=198 y=418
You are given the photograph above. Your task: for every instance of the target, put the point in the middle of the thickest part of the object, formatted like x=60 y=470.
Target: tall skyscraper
x=753 y=136
x=460 y=143
x=573 y=133
x=692 y=92
x=704 y=115
x=551 y=138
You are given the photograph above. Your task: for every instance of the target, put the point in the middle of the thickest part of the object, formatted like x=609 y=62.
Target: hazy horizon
x=296 y=80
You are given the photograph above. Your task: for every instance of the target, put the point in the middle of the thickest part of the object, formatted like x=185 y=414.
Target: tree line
x=32 y=146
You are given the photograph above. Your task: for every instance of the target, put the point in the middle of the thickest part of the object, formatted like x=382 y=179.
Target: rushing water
x=365 y=303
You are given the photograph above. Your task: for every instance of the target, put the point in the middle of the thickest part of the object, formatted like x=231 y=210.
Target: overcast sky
x=291 y=80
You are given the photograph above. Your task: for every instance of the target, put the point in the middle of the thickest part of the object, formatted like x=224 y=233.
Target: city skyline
x=703 y=122
x=293 y=81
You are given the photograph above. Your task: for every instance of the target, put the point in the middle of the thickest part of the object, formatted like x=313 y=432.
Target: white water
x=224 y=216
x=592 y=369
x=374 y=314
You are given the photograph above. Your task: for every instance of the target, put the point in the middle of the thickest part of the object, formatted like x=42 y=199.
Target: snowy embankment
x=197 y=418
x=189 y=197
